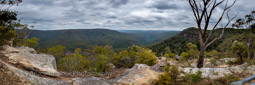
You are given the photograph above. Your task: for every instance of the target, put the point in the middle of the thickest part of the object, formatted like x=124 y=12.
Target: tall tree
x=247 y=23
x=9 y=3
x=203 y=11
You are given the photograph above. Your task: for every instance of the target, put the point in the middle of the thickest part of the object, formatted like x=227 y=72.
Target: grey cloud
x=118 y=3
x=115 y=14
x=164 y=5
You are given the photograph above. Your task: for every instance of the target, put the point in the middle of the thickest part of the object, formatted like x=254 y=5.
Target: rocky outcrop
x=250 y=70
x=27 y=58
x=90 y=81
x=11 y=75
x=138 y=75
x=211 y=73
x=237 y=69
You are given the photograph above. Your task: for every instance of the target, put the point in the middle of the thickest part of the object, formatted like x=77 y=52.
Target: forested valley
x=202 y=55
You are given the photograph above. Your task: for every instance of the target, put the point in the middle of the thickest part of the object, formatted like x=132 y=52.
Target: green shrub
x=169 y=53
x=73 y=62
x=57 y=51
x=191 y=78
x=146 y=56
x=33 y=42
x=213 y=54
x=135 y=55
x=123 y=59
x=101 y=64
x=213 y=62
x=169 y=77
x=192 y=50
x=185 y=56
x=227 y=79
x=8 y=23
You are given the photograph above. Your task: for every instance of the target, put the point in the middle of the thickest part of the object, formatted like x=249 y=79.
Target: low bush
x=226 y=80
x=169 y=77
x=192 y=78
x=127 y=59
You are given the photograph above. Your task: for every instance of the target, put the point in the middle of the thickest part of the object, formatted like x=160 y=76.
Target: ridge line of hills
x=88 y=38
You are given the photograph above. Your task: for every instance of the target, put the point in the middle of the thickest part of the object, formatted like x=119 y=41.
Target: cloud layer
x=115 y=14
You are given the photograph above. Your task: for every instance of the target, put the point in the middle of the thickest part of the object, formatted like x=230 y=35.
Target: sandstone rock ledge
x=140 y=74
x=27 y=58
x=10 y=75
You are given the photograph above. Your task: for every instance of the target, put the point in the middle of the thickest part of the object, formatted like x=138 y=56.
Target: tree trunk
x=241 y=58
x=248 y=45
x=200 y=61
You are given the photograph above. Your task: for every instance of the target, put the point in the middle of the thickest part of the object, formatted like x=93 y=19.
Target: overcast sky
x=115 y=14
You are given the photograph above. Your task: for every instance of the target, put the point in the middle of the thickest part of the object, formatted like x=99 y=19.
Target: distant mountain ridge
x=88 y=38
x=178 y=43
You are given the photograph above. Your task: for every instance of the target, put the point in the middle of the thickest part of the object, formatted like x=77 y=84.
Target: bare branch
x=219 y=20
x=229 y=20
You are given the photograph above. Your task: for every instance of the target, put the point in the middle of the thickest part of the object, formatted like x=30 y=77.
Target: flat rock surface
x=212 y=73
x=90 y=81
x=10 y=75
x=27 y=58
x=140 y=74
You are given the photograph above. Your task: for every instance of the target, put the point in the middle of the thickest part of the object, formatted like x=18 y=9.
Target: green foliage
x=146 y=56
x=185 y=56
x=192 y=78
x=89 y=38
x=135 y=55
x=57 y=51
x=106 y=50
x=213 y=62
x=240 y=49
x=8 y=22
x=168 y=53
x=169 y=77
x=97 y=60
x=192 y=50
x=101 y=64
x=213 y=54
x=248 y=21
x=227 y=79
x=33 y=42
x=124 y=59
x=74 y=62
x=180 y=41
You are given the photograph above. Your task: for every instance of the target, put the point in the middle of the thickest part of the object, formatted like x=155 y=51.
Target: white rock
x=212 y=73
x=250 y=70
x=237 y=69
x=227 y=59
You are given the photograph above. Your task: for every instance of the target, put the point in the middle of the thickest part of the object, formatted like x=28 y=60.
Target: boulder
x=27 y=58
x=10 y=75
x=138 y=75
x=211 y=73
x=250 y=70
x=90 y=81
x=237 y=69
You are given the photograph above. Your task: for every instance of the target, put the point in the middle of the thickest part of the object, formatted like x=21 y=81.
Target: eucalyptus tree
x=203 y=11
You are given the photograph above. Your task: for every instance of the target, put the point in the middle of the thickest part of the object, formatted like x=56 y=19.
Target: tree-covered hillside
x=152 y=36
x=178 y=43
x=88 y=38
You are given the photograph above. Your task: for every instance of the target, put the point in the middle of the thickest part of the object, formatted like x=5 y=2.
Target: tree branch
x=229 y=20
x=219 y=20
